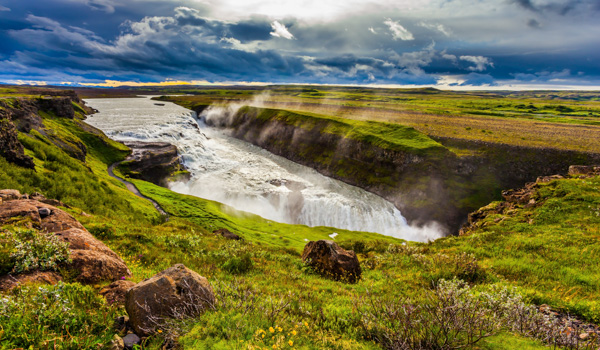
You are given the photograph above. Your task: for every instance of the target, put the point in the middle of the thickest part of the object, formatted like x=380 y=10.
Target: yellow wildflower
x=159 y=331
x=294 y=332
x=306 y=324
x=271 y=330
x=279 y=329
x=291 y=343
x=263 y=335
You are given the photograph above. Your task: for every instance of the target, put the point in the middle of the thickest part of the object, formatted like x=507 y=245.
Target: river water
x=249 y=178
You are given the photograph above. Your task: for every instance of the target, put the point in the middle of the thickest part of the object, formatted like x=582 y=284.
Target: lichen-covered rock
x=331 y=260
x=8 y=282
x=115 y=292
x=92 y=260
x=176 y=292
x=584 y=170
x=9 y=195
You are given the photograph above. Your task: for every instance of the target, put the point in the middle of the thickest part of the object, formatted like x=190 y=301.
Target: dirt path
x=131 y=187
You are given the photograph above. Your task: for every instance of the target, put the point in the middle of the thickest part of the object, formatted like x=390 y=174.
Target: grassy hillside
x=546 y=253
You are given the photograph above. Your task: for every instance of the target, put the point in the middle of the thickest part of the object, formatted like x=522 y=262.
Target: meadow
x=267 y=298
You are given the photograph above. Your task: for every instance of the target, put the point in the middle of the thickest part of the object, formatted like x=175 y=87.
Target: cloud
x=372 y=30
x=398 y=31
x=480 y=62
x=280 y=31
x=533 y=23
x=562 y=8
x=438 y=27
x=2 y=8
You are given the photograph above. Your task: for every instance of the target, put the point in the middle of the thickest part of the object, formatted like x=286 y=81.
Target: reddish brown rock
x=93 y=266
x=227 y=234
x=93 y=260
x=331 y=260
x=176 y=292
x=115 y=292
x=8 y=282
x=8 y=195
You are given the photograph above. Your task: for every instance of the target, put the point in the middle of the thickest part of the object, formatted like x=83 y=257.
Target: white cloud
x=439 y=27
x=448 y=56
x=2 y=8
x=372 y=30
x=398 y=31
x=280 y=31
x=480 y=62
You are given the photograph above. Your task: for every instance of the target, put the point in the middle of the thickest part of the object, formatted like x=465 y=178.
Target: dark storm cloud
x=77 y=40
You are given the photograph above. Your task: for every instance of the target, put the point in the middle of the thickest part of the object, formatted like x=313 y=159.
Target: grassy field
x=267 y=298
x=551 y=119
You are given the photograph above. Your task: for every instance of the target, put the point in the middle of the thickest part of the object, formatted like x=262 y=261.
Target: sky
x=442 y=43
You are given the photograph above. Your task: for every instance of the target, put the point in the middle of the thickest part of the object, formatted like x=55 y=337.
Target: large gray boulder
x=174 y=293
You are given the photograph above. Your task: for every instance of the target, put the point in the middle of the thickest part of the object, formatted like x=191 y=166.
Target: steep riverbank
x=428 y=179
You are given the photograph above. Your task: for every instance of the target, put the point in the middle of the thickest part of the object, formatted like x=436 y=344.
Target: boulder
x=331 y=260
x=584 y=170
x=227 y=234
x=115 y=292
x=9 y=195
x=91 y=259
x=8 y=282
x=176 y=292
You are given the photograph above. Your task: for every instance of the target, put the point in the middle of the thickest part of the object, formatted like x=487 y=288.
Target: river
x=249 y=178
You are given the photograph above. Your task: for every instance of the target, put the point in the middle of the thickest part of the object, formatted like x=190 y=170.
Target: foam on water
x=248 y=178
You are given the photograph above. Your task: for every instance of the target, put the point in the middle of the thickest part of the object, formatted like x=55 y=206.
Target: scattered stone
x=331 y=260
x=8 y=282
x=584 y=336
x=120 y=324
x=116 y=343
x=584 y=170
x=44 y=212
x=227 y=234
x=9 y=195
x=115 y=292
x=24 y=196
x=176 y=292
x=130 y=340
x=546 y=179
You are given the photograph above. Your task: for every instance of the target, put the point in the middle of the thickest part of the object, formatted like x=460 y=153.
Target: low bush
x=64 y=316
x=27 y=250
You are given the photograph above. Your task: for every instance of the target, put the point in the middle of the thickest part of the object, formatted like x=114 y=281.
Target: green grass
x=549 y=252
x=384 y=135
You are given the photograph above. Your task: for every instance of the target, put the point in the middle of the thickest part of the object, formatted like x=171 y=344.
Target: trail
x=131 y=187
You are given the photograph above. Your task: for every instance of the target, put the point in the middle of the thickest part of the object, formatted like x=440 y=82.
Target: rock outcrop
x=331 y=260
x=91 y=259
x=176 y=292
x=11 y=148
x=585 y=170
x=223 y=232
x=115 y=292
x=152 y=161
x=8 y=282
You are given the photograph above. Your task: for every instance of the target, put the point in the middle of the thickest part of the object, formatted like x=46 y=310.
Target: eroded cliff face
x=24 y=114
x=425 y=186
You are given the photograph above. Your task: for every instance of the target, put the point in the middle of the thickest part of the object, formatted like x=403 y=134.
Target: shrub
x=32 y=250
x=453 y=316
x=102 y=231
x=64 y=316
x=238 y=264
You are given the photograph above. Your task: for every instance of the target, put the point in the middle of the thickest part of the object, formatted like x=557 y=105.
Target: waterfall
x=248 y=178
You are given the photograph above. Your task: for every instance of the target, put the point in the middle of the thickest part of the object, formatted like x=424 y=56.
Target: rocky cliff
x=155 y=162
x=24 y=114
x=428 y=183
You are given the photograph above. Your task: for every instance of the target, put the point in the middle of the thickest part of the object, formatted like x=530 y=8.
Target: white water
x=248 y=178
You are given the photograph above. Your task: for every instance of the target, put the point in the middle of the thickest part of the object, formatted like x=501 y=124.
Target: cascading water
x=248 y=178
